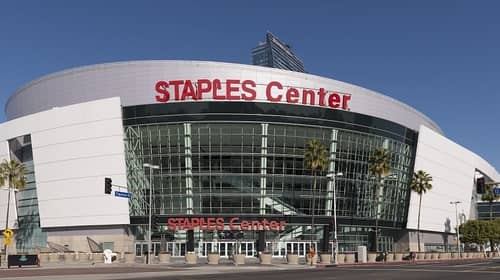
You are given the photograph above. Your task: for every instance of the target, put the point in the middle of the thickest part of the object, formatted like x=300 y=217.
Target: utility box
x=362 y=255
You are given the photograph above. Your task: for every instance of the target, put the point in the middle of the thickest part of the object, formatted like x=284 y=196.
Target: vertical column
x=263 y=169
x=190 y=241
x=330 y=203
x=325 y=244
x=189 y=183
x=261 y=242
x=189 y=168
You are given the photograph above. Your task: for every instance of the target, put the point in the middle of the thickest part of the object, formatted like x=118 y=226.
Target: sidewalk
x=416 y=262
x=178 y=268
x=131 y=271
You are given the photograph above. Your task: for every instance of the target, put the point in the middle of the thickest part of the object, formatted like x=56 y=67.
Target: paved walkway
x=176 y=268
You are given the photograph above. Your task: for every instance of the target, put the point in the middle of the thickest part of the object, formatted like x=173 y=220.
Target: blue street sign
x=496 y=191
x=123 y=194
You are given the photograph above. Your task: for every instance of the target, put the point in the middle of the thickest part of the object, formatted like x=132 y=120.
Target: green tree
x=420 y=184
x=495 y=237
x=315 y=159
x=379 y=166
x=476 y=231
x=11 y=174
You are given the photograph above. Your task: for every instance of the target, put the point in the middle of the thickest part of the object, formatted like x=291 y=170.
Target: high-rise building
x=277 y=54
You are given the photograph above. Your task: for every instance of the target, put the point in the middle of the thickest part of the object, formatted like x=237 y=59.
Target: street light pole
x=458 y=226
x=151 y=167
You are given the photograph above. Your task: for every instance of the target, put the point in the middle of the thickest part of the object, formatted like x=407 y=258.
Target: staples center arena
x=218 y=150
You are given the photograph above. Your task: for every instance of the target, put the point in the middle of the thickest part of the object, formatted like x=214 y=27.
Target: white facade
x=135 y=83
x=452 y=168
x=75 y=121
x=74 y=148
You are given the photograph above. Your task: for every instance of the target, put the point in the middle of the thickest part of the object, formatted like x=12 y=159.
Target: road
x=475 y=270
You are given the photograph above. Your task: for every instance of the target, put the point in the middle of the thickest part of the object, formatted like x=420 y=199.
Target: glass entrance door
x=226 y=248
x=281 y=249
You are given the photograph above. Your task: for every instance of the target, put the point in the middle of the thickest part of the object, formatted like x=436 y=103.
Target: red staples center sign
x=213 y=223
x=247 y=90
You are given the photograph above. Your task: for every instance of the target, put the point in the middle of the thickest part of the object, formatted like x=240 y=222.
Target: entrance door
x=226 y=248
x=141 y=248
x=282 y=248
x=177 y=249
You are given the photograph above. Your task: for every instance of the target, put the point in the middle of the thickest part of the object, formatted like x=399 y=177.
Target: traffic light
x=156 y=223
x=107 y=185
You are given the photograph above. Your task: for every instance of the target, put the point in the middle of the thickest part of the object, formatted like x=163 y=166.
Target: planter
x=435 y=256
x=71 y=258
x=447 y=256
x=85 y=257
x=53 y=257
x=292 y=259
x=398 y=257
x=420 y=256
x=77 y=257
x=265 y=258
x=350 y=258
x=389 y=257
x=340 y=258
x=164 y=257
x=44 y=258
x=239 y=259
x=98 y=257
x=427 y=256
x=325 y=258
x=213 y=258
x=371 y=257
x=454 y=255
x=191 y=258
x=129 y=257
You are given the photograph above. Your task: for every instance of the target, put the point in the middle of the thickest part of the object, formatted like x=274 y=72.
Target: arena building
x=216 y=150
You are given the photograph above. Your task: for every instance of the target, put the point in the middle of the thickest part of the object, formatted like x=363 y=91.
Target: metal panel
x=135 y=81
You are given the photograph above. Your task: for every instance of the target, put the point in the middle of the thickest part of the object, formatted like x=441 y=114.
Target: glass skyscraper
x=276 y=54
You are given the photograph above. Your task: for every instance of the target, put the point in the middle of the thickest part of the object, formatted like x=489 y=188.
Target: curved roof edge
x=93 y=67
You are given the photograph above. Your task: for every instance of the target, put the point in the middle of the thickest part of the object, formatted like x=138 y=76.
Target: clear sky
x=440 y=57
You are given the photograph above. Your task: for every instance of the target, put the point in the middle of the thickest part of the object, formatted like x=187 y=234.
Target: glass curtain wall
x=218 y=168
x=29 y=235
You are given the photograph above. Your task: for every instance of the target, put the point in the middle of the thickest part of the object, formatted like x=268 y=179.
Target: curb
x=402 y=262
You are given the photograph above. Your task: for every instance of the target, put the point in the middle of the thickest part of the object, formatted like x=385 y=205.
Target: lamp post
x=335 y=251
x=151 y=167
x=458 y=226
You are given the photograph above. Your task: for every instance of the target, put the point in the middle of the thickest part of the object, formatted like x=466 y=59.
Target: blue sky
x=440 y=57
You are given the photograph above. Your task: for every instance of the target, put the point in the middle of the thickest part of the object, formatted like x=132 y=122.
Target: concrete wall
x=135 y=81
x=453 y=170
x=76 y=239
x=74 y=148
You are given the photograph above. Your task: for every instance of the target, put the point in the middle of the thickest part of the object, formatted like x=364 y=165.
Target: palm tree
x=379 y=166
x=11 y=173
x=315 y=159
x=420 y=184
